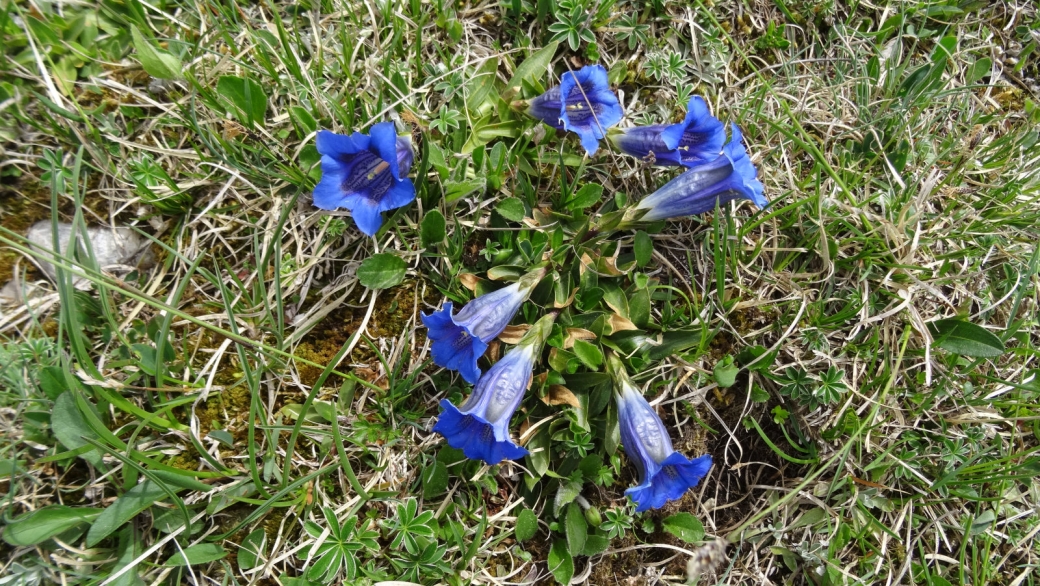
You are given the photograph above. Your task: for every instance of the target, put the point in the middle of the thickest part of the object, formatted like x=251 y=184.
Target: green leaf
x=511 y=209
x=433 y=228
x=246 y=95
x=538 y=452
x=222 y=436
x=643 y=247
x=126 y=507
x=576 y=528
x=639 y=308
x=480 y=87
x=129 y=548
x=595 y=545
x=561 y=564
x=965 y=338
x=201 y=553
x=303 y=118
x=251 y=553
x=589 y=354
x=454 y=190
x=70 y=427
x=685 y=526
x=382 y=271
x=52 y=382
x=589 y=195
x=978 y=70
x=982 y=523
x=526 y=526
x=534 y=67
x=46 y=522
x=155 y=61
x=435 y=479
x=565 y=495
x=726 y=372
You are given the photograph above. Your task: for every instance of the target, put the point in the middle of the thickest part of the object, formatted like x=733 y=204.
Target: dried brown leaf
x=560 y=395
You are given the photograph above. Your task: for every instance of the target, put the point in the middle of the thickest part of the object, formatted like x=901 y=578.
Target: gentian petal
x=487 y=315
x=642 y=141
x=664 y=474
x=699 y=137
x=730 y=176
x=452 y=345
x=335 y=145
x=366 y=215
x=588 y=107
x=405 y=154
x=480 y=427
x=546 y=108
x=328 y=193
x=384 y=143
x=458 y=340
x=400 y=194
x=742 y=166
x=474 y=436
x=673 y=478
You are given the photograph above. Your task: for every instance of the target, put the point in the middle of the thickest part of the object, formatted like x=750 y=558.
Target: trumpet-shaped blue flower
x=664 y=474
x=728 y=177
x=582 y=103
x=696 y=140
x=459 y=340
x=480 y=426
x=364 y=173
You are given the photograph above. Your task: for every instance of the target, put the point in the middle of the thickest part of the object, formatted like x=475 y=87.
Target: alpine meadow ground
x=251 y=397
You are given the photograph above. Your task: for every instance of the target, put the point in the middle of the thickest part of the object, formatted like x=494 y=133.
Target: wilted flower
x=664 y=474
x=459 y=340
x=582 y=103
x=696 y=140
x=364 y=173
x=728 y=177
x=480 y=426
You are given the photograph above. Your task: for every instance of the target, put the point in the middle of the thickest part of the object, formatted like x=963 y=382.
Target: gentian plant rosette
x=480 y=426
x=730 y=176
x=698 y=139
x=364 y=173
x=582 y=104
x=664 y=474
x=458 y=340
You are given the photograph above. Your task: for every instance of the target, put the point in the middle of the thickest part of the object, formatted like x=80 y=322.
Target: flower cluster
x=367 y=174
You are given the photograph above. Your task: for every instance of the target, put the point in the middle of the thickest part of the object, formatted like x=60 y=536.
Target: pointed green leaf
x=202 y=553
x=126 y=507
x=44 y=523
x=155 y=61
x=534 y=67
x=382 y=271
x=561 y=564
x=965 y=338
x=576 y=529
x=526 y=525
x=246 y=95
x=433 y=228
x=685 y=526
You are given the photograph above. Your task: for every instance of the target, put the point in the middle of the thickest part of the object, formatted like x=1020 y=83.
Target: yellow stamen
x=382 y=166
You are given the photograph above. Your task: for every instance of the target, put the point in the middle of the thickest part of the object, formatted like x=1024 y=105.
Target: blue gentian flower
x=364 y=173
x=664 y=474
x=480 y=426
x=459 y=340
x=728 y=177
x=696 y=140
x=582 y=103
